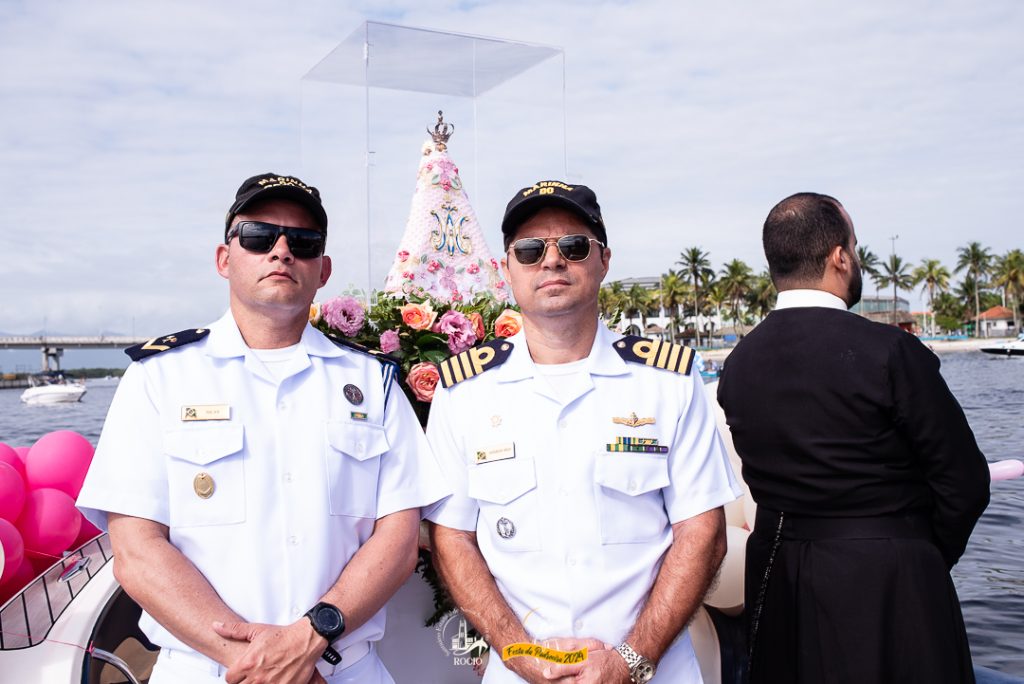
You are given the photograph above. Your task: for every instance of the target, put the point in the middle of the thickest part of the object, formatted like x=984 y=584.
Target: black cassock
x=846 y=428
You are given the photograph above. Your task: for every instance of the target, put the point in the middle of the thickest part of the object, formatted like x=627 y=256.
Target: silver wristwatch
x=641 y=670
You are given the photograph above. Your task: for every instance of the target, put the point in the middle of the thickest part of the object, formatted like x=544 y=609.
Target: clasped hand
x=280 y=654
x=602 y=666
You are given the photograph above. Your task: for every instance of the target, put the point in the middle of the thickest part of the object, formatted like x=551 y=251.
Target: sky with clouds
x=126 y=127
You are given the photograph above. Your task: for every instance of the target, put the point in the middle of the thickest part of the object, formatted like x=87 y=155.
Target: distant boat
x=53 y=387
x=1007 y=348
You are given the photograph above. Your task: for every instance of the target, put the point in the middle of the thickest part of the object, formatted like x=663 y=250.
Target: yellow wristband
x=541 y=653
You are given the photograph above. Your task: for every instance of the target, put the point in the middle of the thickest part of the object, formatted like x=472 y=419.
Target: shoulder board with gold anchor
x=159 y=344
x=389 y=366
x=474 y=361
x=656 y=353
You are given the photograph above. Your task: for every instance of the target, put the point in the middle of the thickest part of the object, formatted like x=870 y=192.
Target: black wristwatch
x=329 y=623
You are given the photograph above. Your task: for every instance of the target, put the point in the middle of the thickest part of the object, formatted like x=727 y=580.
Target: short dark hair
x=799 y=234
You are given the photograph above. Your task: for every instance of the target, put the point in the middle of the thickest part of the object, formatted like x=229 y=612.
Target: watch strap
x=634 y=660
x=331 y=655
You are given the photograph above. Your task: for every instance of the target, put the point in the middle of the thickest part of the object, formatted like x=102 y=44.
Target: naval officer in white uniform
x=588 y=474
x=261 y=484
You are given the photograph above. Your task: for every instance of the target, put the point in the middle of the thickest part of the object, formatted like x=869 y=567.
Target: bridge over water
x=52 y=347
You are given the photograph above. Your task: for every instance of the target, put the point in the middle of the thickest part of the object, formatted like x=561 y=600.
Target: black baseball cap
x=579 y=199
x=275 y=186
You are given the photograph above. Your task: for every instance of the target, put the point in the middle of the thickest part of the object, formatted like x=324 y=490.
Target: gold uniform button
x=203 y=485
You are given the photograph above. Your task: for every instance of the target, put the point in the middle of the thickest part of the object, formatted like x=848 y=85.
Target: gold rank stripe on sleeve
x=473 y=362
x=655 y=353
x=162 y=344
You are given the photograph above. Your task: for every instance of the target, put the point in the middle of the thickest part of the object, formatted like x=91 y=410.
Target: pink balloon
x=22 y=452
x=87 y=532
x=12 y=493
x=1006 y=470
x=49 y=523
x=22 y=576
x=59 y=460
x=14 y=550
x=9 y=456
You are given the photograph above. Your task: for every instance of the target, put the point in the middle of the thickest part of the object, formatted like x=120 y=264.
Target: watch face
x=644 y=672
x=328 y=619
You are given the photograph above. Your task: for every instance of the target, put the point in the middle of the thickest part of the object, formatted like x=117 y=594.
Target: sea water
x=989 y=578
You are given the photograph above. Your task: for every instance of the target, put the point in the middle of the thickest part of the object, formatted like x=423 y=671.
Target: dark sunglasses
x=529 y=251
x=260 y=237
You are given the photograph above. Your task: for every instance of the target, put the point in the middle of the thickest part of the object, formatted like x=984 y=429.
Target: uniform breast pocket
x=506 y=493
x=206 y=475
x=353 y=467
x=629 y=499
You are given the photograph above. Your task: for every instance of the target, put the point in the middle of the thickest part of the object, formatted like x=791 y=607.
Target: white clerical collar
x=791 y=299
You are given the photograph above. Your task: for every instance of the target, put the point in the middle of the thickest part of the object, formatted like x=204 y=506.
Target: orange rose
x=508 y=323
x=418 y=316
x=422 y=379
x=478 y=326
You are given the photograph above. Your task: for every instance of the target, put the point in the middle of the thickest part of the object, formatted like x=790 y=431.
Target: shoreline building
x=880 y=310
x=656 y=321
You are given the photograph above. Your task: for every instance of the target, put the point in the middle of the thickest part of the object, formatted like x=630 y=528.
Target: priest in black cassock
x=867 y=477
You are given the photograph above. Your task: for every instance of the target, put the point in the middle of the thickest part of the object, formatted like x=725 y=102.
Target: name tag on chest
x=499 y=452
x=206 y=412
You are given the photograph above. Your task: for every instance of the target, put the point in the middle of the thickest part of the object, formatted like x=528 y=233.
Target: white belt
x=349 y=656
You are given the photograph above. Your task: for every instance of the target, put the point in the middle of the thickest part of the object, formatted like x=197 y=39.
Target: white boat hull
x=53 y=394
x=1007 y=349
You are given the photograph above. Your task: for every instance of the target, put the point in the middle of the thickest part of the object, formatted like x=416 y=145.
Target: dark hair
x=799 y=234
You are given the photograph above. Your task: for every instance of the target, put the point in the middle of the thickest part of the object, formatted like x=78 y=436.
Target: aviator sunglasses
x=260 y=237
x=530 y=251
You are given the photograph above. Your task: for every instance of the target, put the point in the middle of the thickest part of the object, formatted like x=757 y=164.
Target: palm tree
x=696 y=269
x=935 y=276
x=762 y=295
x=894 y=272
x=671 y=295
x=714 y=299
x=1009 y=275
x=635 y=304
x=977 y=261
x=949 y=307
x=869 y=264
x=735 y=283
x=609 y=302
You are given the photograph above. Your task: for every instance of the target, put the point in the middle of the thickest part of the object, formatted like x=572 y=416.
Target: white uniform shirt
x=583 y=530
x=299 y=477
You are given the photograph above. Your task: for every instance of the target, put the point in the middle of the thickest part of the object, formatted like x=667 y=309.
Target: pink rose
x=508 y=323
x=403 y=255
x=418 y=316
x=408 y=275
x=344 y=314
x=472 y=269
x=459 y=330
x=494 y=264
x=432 y=266
x=422 y=380
x=389 y=341
x=478 y=325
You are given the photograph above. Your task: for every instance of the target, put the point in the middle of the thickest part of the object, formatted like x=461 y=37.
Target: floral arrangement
x=417 y=331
